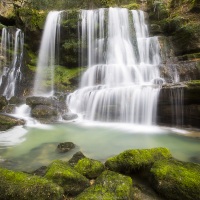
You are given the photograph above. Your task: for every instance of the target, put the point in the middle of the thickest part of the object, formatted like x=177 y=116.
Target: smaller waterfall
x=44 y=78
x=12 y=43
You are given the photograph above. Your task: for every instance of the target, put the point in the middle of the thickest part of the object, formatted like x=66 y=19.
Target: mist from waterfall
x=12 y=44
x=121 y=80
x=44 y=78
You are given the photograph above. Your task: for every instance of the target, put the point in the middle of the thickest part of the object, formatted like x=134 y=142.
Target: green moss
x=132 y=160
x=64 y=175
x=33 y=19
x=132 y=6
x=65 y=78
x=89 y=168
x=18 y=185
x=109 y=185
x=193 y=83
x=176 y=180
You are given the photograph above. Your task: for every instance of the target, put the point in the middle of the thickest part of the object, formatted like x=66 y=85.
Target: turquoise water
x=29 y=148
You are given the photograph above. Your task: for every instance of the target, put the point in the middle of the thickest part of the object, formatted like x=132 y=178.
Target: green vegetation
x=176 y=180
x=20 y=186
x=89 y=168
x=64 y=175
x=132 y=160
x=66 y=79
x=109 y=185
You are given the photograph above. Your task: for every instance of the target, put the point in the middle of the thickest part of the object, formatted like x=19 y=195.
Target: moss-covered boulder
x=89 y=167
x=64 y=175
x=136 y=159
x=20 y=186
x=176 y=180
x=7 y=122
x=109 y=185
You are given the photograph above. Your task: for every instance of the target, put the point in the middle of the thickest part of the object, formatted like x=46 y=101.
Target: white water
x=11 y=41
x=122 y=67
x=44 y=78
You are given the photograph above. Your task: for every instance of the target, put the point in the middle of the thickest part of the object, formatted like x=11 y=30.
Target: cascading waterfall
x=11 y=41
x=44 y=78
x=122 y=76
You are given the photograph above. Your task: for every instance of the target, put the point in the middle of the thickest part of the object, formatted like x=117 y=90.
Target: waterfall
x=121 y=80
x=12 y=43
x=44 y=78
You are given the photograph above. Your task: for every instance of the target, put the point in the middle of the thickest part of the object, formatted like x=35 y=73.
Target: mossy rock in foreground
x=136 y=159
x=176 y=180
x=109 y=185
x=20 y=186
x=89 y=167
x=64 y=175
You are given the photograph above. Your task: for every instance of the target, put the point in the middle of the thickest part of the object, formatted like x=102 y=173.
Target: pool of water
x=28 y=148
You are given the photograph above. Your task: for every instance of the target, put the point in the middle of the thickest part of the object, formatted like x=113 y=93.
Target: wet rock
x=15 y=100
x=109 y=185
x=75 y=158
x=41 y=171
x=65 y=147
x=10 y=109
x=155 y=29
x=21 y=186
x=64 y=175
x=7 y=122
x=43 y=111
x=70 y=116
x=176 y=180
x=89 y=168
x=3 y=102
x=35 y=101
x=136 y=159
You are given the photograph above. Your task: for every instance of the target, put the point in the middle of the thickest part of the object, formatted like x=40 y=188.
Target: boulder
x=3 y=102
x=40 y=171
x=89 y=168
x=136 y=159
x=176 y=180
x=75 y=158
x=65 y=147
x=109 y=185
x=21 y=186
x=35 y=101
x=10 y=109
x=43 y=111
x=70 y=116
x=7 y=122
x=64 y=175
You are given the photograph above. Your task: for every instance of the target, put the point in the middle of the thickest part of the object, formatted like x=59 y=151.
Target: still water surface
x=31 y=147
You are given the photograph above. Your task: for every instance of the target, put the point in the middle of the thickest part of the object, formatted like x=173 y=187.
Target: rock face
x=89 y=168
x=176 y=180
x=3 y=102
x=65 y=147
x=133 y=160
x=64 y=175
x=110 y=185
x=43 y=111
x=7 y=122
x=18 y=185
x=179 y=104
